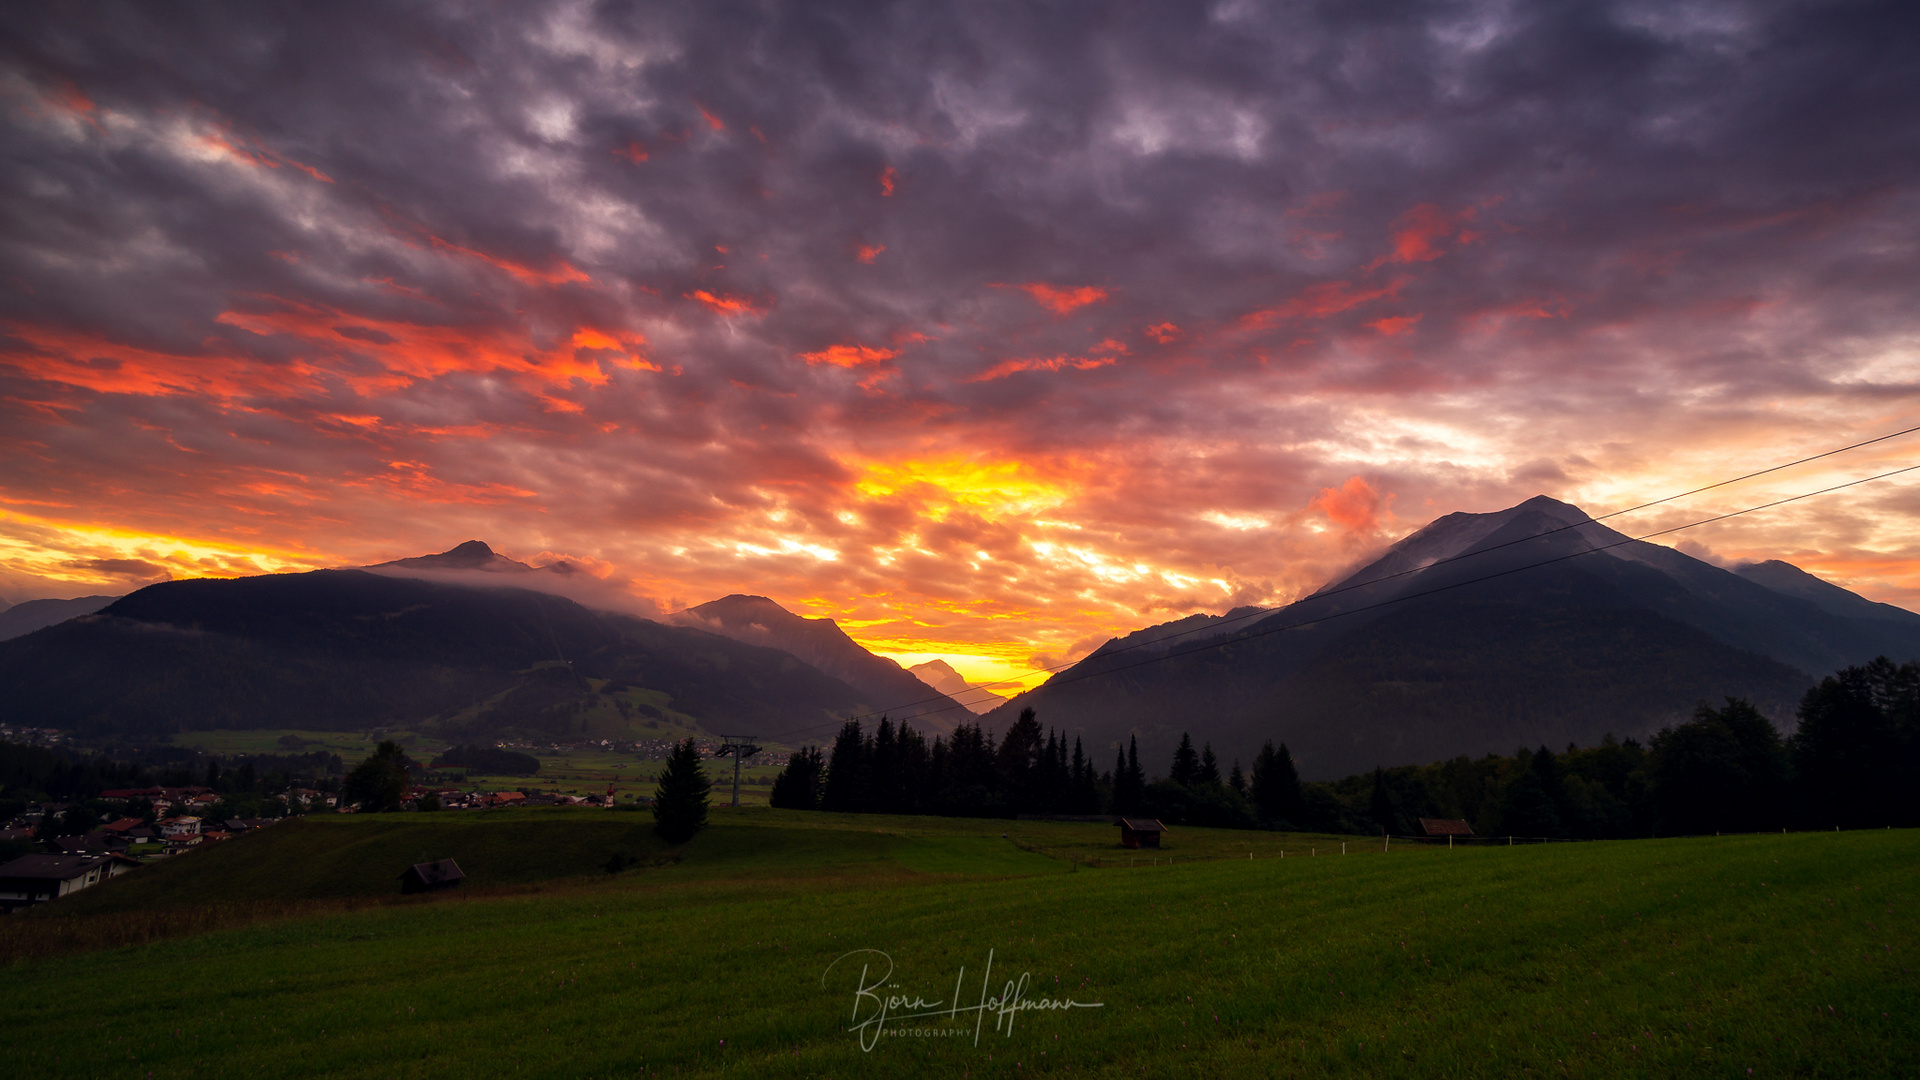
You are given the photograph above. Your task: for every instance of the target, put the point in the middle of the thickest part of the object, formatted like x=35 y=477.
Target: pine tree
x=1186 y=763
x=1209 y=774
x=847 y=784
x=680 y=802
x=1276 y=786
x=1236 y=781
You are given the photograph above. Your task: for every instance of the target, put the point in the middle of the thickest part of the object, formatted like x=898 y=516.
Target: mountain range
x=400 y=645
x=1480 y=632
x=1531 y=625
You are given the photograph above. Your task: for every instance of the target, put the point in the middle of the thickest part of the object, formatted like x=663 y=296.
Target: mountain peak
x=471 y=555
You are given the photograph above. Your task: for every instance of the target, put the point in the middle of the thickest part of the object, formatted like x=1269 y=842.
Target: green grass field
x=577 y=772
x=1784 y=955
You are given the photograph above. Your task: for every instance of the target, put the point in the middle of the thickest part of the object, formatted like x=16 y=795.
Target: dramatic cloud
x=988 y=330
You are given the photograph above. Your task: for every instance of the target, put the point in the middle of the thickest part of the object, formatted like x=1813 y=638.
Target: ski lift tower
x=739 y=746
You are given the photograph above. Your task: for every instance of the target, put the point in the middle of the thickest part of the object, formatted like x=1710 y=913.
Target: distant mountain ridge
x=351 y=649
x=24 y=618
x=942 y=677
x=1473 y=634
x=888 y=687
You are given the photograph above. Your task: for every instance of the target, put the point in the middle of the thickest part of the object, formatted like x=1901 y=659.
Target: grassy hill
x=1781 y=954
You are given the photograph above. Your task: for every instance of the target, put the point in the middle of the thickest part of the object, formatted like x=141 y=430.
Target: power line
x=1414 y=596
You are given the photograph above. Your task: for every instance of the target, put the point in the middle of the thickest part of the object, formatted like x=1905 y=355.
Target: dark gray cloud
x=633 y=278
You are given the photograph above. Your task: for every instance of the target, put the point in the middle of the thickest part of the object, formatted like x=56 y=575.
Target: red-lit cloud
x=1061 y=301
x=848 y=356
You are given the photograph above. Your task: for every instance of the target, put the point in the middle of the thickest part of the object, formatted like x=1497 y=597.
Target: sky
x=988 y=330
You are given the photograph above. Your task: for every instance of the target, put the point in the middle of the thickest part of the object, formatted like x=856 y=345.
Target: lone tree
x=378 y=782
x=680 y=802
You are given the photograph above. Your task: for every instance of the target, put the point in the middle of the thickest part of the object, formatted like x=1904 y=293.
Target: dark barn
x=429 y=876
x=1140 y=832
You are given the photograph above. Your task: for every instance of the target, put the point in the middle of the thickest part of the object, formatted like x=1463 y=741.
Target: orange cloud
x=723 y=303
x=848 y=356
x=1010 y=367
x=867 y=253
x=1163 y=332
x=634 y=151
x=1354 y=505
x=1061 y=301
x=1318 y=302
x=333 y=346
x=886 y=181
x=713 y=121
x=1395 y=325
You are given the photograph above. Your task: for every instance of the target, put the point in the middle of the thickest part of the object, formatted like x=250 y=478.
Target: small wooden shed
x=429 y=876
x=1445 y=827
x=1140 y=832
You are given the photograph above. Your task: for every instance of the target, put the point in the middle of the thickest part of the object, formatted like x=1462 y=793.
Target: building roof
x=1142 y=824
x=1445 y=827
x=53 y=867
x=433 y=873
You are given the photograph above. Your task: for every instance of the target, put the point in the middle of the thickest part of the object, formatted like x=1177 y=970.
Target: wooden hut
x=429 y=876
x=1140 y=832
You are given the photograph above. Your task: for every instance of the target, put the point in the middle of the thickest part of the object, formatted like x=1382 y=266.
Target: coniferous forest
x=1851 y=762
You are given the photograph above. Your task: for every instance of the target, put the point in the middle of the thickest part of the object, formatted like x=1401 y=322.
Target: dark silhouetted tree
x=1186 y=764
x=1209 y=772
x=1380 y=805
x=798 y=785
x=1276 y=786
x=1725 y=770
x=378 y=782
x=846 y=787
x=1855 y=751
x=680 y=802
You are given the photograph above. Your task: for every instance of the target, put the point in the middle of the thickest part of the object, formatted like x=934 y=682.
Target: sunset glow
x=1027 y=337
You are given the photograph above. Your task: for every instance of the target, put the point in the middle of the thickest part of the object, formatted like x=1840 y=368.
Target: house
x=1444 y=827
x=185 y=825
x=123 y=827
x=431 y=876
x=36 y=879
x=1140 y=832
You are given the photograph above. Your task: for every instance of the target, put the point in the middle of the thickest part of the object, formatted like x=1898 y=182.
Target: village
x=70 y=847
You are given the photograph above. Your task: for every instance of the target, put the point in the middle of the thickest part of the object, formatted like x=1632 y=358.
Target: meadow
x=1785 y=955
x=581 y=771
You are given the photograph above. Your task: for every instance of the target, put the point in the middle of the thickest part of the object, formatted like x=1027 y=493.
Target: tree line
x=1850 y=763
